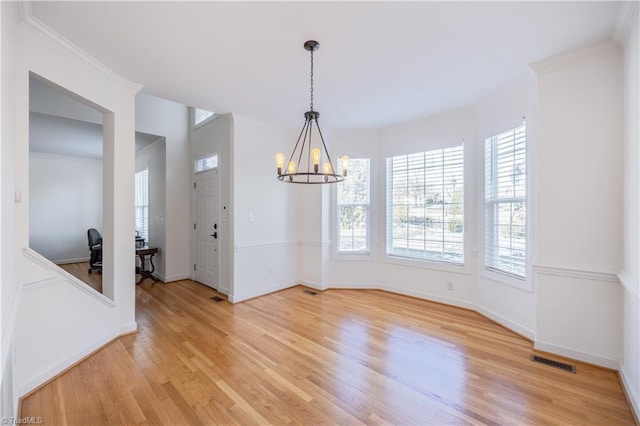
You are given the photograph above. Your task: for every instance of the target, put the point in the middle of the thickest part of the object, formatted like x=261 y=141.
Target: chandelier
x=304 y=162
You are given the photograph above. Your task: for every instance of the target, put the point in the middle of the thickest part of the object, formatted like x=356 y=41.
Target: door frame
x=194 y=207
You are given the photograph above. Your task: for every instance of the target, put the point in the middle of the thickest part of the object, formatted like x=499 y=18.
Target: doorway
x=206 y=229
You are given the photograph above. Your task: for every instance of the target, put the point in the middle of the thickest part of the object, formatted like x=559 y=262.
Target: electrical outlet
x=450 y=285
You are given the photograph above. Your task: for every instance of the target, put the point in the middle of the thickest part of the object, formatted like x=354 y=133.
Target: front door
x=207 y=229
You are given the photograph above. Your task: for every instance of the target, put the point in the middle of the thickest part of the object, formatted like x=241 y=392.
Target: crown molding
x=24 y=15
x=627 y=13
x=22 y=9
x=578 y=56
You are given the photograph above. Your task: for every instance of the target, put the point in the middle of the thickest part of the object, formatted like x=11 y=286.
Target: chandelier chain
x=311 y=106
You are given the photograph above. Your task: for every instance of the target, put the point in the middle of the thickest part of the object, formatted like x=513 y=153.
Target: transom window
x=505 y=202
x=353 y=221
x=208 y=162
x=425 y=205
x=201 y=115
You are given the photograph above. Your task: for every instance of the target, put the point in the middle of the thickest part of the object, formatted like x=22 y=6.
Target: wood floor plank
x=339 y=357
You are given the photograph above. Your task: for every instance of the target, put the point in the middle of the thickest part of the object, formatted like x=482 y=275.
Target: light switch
x=251 y=218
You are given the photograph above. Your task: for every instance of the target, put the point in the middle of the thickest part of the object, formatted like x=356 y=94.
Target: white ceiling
x=379 y=63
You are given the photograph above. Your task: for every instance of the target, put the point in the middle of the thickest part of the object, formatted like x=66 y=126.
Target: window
x=201 y=115
x=505 y=202
x=353 y=208
x=142 y=203
x=425 y=205
x=207 y=162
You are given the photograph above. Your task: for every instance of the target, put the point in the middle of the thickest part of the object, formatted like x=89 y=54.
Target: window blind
x=201 y=115
x=353 y=218
x=425 y=205
x=505 y=202
x=142 y=203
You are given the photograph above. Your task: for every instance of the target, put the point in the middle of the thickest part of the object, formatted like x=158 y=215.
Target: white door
x=207 y=228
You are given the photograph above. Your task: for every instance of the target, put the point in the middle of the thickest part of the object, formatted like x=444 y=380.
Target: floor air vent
x=313 y=293
x=552 y=363
x=217 y=299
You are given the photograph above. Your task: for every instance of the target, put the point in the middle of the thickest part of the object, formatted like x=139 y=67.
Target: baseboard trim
x=172 y=278
x=506 y=323
x=632 y=398
x=428 y=297
x=129 y=328
x=600 y=361
x=234 y=298
x=65 y=365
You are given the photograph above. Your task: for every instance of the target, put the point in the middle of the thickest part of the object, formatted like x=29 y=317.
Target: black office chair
x=95 y=247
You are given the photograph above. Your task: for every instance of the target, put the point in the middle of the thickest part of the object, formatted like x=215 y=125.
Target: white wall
x=263 y=213
x=162 y=117
x=9 y=291
x=34 y=48
x=579 y=212
x=66 y=200
x=630 y=276
x=215 y=136
x=154 y=159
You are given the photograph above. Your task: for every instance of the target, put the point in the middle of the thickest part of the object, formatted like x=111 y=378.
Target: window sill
x=428 y=264
x=505 y=279
x=354 y=256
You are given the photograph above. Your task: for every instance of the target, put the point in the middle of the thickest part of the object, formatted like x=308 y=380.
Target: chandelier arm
x=333 y=171
x=296 y=147
x=309 y=149
x=307 y=125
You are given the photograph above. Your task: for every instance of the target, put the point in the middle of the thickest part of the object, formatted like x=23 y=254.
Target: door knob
x=214 y=235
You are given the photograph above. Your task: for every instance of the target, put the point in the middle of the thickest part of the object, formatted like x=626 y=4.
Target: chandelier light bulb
x=315 y=157
x=345 y=164
x=279 y=162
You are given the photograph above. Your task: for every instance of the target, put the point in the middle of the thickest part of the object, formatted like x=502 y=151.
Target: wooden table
x=145 y=254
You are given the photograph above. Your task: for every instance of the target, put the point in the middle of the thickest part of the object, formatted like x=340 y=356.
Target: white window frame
x=426 y=262
x=491 y=203
x=145 y=207
x=367 y=205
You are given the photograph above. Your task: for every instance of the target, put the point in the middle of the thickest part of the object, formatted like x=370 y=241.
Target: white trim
x=634 y=399
x=506 y=322
x=630 y=285
x=262 y=245
x=314 y=285
x=63 y=364
x=425 y=296
x=25 y=15
x=9 y=321
x=153 y=145
x=171 y=278
x=67 y=261
x=624 y=22
x=578 y=56
x=234 y=298
x=128 y=328
x=577 y=355
x=314 y=243
x=505 y=279
x=70 y=279
x=575 y=271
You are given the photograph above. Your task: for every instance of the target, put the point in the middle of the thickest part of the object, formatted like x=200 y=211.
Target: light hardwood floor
x=339 y=357
x=80 y=270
